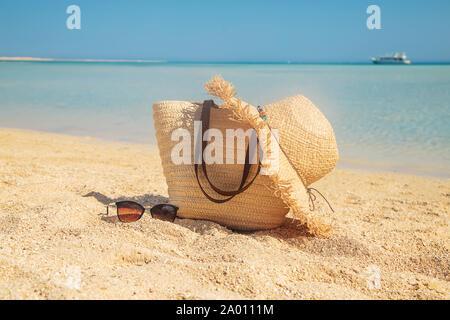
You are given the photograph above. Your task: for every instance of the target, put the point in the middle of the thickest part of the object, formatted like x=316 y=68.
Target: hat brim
x=286 y=180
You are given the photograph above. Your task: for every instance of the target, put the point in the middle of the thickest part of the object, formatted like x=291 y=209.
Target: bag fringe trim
x=225 y=91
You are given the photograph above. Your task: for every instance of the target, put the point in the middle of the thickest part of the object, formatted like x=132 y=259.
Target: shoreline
x=350 y=164
x=33 y=59
x=362 y=166
x=356 y=63
x=57 y=243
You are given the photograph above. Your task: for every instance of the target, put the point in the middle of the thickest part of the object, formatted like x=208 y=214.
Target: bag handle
x=205 y=117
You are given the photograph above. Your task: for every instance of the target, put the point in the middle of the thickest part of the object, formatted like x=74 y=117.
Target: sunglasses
x=130 y=211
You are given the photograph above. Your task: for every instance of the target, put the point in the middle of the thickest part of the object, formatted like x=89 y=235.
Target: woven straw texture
x=305 y=136
x=316 y=152
x=305 y=149
x=256 y=208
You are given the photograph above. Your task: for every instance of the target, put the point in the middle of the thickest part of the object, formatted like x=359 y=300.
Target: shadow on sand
x=147 y=200
x=291 y=228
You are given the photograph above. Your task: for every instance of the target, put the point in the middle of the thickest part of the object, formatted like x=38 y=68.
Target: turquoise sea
x=391 y=118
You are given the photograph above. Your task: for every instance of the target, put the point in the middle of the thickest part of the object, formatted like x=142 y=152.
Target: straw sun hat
x=302 y=151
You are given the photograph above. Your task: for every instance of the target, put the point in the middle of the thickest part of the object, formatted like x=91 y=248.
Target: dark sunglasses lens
x=166 y=212
x=129 y=211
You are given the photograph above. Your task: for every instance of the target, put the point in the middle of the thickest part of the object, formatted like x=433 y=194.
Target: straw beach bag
x=238 y=195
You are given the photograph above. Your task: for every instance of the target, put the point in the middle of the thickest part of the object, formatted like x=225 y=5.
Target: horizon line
x=30 y=59
x=38 y=59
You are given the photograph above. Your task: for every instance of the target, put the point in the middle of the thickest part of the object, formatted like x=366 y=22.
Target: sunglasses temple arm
x=107 y=208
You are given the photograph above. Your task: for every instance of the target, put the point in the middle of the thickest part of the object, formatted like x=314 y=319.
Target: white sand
x=54 y=244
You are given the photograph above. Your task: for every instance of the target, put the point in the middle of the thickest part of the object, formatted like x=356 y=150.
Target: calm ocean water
x=385 y=117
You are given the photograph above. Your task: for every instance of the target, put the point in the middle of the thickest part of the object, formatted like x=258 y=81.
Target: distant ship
x=397 y=58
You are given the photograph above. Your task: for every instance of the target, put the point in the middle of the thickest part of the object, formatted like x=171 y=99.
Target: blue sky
x=191 y=30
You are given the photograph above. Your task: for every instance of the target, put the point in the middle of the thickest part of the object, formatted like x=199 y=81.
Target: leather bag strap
x=205 y=117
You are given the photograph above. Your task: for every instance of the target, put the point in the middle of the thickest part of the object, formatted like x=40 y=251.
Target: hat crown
x=305 y=136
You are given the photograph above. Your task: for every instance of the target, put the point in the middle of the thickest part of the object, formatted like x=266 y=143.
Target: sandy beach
x=389 y=240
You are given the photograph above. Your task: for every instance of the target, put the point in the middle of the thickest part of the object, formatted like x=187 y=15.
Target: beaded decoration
x=262 y=114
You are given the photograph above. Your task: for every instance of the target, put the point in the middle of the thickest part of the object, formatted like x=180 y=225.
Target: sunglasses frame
x=164 y=204
x=117 y=203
